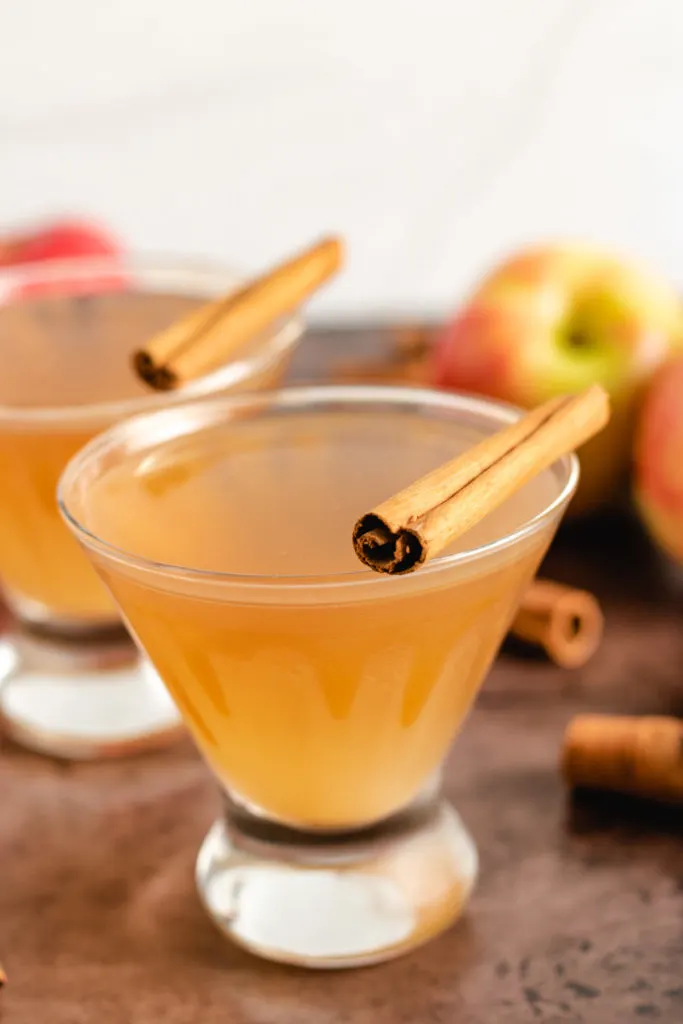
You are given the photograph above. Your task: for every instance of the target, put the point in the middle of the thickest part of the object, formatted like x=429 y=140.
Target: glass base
x=334 y=901
x=42 y=619
x=82 y=700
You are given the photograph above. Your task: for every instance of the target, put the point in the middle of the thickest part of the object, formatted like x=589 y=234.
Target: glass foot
x=332 y=901
x=82 y=700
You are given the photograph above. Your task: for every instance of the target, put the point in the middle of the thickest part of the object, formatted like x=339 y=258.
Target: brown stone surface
x=578 y=915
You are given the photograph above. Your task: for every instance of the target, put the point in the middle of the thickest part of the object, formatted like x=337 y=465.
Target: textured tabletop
x=578 y=915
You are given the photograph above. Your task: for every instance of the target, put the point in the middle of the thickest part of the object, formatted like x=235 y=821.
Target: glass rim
x=214 y=277
x=202 y=414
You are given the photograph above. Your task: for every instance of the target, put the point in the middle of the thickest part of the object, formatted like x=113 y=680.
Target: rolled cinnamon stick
x=642 y=756
x=419 y=522
x=210 y=335
x=567 y=623
x=3 y=976
x=410 y=373
x=403 y=360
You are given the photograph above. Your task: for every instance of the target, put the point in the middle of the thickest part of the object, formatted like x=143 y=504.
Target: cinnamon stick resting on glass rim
x=418 y=523
x=209 y=336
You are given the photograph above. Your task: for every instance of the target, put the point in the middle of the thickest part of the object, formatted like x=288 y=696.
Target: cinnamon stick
x=567 y=623
x=642 y=756
x=406 y=363
x=209 y=336
x=3 y=976
x=419 y=522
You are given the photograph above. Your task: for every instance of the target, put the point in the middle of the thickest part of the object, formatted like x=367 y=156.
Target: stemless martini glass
x=323 y=696
x=71 y=682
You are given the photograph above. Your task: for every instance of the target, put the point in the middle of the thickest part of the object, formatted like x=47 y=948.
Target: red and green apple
x=658 y=458
x=555 y=319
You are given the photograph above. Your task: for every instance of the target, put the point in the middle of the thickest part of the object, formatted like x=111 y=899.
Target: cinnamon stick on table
x=422 y=520
x=642 y=756
x=209 y=336
x=567 y=623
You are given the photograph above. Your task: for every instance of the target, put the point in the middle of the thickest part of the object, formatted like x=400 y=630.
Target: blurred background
x=435 y=136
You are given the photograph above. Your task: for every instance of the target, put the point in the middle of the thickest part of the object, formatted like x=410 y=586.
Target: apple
x=555 y=319
x=65 y=239
x=658 y=458
x=61 y=240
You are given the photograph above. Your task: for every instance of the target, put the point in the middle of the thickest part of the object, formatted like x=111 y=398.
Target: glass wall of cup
x=71 y=681
x=323 y=696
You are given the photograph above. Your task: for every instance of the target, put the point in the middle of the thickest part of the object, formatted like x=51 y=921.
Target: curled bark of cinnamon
x=567 y=623
x=419 y=522
x=206 y=339
x=407 y=361
x=642 y=756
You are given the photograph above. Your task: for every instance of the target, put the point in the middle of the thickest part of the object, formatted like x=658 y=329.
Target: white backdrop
x=434 y=134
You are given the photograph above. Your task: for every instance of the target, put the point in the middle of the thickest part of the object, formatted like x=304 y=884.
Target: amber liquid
x=325 y=701
x=62 y=353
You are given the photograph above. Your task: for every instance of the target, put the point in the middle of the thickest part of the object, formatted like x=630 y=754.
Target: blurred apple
x=555 y=319
x=658 y=458
x=61 y=240
x=65 y=239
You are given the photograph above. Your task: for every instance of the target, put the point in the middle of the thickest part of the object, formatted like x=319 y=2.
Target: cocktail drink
x=323 y=696
x=66 y=334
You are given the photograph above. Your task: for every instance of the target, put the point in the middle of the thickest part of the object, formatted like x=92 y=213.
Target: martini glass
x=323 y=696
x=71 y=681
